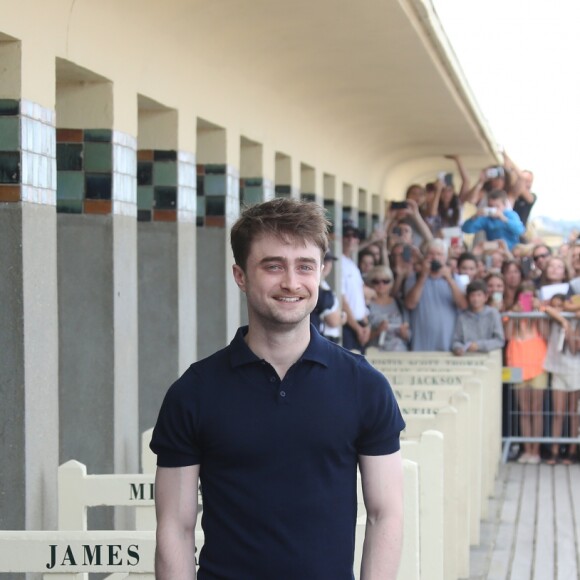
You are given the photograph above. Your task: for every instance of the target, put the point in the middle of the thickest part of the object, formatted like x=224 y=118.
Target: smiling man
x=274 y=426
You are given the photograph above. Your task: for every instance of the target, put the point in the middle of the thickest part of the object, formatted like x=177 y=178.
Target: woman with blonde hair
x=389 y=329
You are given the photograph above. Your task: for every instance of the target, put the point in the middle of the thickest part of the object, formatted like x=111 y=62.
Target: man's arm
x=176 y=510
x=382 y=485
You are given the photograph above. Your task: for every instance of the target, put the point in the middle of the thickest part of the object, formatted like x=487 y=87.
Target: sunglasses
x=381 y=281
x=538 y=256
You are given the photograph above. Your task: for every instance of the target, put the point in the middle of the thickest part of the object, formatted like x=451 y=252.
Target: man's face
x=468 y=267
x=528 y=179
x=280 y=281
x=438 y=254
x=541 y=256
x=349 y=243
x=477 y=300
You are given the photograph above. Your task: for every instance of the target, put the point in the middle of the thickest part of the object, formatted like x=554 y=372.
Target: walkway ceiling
x=378 y=73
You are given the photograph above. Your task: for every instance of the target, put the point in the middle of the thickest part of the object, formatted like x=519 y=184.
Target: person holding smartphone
x=497 y=220
x=434 y=299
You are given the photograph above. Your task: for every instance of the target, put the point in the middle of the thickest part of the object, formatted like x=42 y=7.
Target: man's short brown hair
x=287 y=219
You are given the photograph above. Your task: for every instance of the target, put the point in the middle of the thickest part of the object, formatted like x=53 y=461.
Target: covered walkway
x=533 y=528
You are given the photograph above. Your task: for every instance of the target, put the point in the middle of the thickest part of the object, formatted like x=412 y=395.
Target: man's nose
x=290 y=280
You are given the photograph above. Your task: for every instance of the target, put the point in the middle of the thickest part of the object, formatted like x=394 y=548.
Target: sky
x=521 y=59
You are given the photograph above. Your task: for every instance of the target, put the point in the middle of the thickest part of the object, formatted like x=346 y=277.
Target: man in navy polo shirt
x=274 y=426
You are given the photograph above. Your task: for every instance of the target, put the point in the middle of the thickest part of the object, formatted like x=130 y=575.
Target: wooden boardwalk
x=533 y=528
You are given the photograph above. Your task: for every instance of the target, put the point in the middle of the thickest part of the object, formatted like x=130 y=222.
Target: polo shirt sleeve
x=380 y=416
x=175 y=438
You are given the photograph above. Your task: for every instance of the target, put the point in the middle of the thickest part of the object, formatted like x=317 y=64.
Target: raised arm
x=382 y=485
x=464 y=190
x=176 y=510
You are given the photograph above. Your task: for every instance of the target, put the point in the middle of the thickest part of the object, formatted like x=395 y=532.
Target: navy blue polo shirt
x=277 y=458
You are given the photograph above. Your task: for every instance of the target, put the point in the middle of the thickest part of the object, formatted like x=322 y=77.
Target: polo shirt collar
x=318 y=349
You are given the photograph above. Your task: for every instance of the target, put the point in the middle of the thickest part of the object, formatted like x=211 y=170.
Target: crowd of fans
x=430 y=280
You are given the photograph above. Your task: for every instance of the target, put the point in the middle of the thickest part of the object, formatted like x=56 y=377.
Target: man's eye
x=274 y=267
x=306 y=268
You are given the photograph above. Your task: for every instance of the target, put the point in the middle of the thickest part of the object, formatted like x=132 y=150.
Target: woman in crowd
x=495 y=290
x=554 y=273
x=564 y=365
x=389 y=329
x=526 y=349
x=513 y=277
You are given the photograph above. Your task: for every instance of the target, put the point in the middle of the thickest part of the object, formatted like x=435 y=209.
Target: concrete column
x=28 y=317
x=97 y=274
x=218 y=305
x=287 y=176
x=333 y=206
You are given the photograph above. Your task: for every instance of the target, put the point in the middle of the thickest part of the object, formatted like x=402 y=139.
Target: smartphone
x=407 y=253
x=436 y=265
x=398 y=205
x=494 y=172
x=526 y=266
x=525 y=300
x=490 y=211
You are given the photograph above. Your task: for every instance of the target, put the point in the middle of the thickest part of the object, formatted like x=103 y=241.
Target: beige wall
x=380 y=113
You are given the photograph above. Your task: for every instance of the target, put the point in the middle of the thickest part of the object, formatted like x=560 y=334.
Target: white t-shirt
x=352 y=288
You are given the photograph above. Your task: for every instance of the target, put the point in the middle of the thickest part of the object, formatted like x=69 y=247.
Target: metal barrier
x=541 y=407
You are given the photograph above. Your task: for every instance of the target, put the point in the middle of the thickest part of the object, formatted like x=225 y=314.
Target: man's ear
x=239 y=277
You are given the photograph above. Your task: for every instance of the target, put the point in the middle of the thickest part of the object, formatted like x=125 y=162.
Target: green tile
x=69 y=156
x=253 y=195
x=145 y=173
x=215 y=206
x=70 y=185
x=98 y=185
x=214 y=185
x=99 y=135
x=9 y=107
x=163 y=155
x=69 y=206
x=200 y=206
x=98 y=157
x=215 y=168
x=253 y=181
x=144 y=197
x=10 y=167
x=9 y=133
x=165 y=197
x=165 y=173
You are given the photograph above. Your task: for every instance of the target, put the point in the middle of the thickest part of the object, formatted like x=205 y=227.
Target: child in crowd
x=564 y=365
x=526 y=349
x=479 y=328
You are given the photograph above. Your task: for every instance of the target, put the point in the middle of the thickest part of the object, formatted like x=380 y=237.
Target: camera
x=397 y=231
x=490 y=210
x=436 y=265
x=494 y=172
x=398 y=205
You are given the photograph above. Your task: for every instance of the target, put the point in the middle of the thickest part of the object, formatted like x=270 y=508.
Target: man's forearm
x=382 y=547
x=175 y=556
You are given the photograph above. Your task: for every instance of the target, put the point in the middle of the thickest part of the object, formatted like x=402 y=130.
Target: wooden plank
x=566 y=558
x=502 y=553
x=544 y=553
x=526 y=526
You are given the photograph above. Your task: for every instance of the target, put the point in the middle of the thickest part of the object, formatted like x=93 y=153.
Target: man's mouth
x=289 y=298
